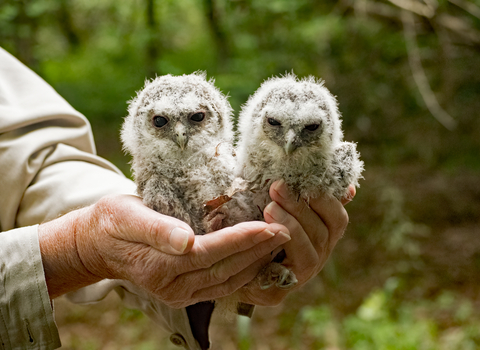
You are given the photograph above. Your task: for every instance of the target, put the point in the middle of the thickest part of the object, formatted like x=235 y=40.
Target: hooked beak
x=181 y=136
x=289 y=142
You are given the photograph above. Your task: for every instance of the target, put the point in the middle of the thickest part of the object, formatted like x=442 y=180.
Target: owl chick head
x=288 y=115
x=176 y=116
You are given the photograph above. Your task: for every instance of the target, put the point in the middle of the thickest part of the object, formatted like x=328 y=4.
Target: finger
x=333 y=214
x=144 y=225
x=213 y=247
x=324 y=219
x=304 y=249
x=246 y=263
x=349 y=197
x=233 y=283
x=307 y=218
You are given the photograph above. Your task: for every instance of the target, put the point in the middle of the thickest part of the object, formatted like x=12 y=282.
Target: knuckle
x=320 y=239
x=303 y=207
x=173 y=296
x=105 y=212
x=225 y=289
x=200 y=263
x=202 y=259
x=344 y=217
x=295 y=226
x=341 y=223
x=218 y=274
x=152 y=229
x=258 y=252
x=107 y=202
x=310 y=267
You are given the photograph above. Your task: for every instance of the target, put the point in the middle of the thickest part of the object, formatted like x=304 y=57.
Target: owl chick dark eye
x=198 y=117
x=159 y=121
x=312 y=127
x=273 y=122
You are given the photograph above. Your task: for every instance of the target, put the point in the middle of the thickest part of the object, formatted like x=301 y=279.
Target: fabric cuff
x=26 y=313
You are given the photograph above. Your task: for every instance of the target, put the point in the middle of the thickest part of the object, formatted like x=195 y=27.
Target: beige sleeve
x=48 y=167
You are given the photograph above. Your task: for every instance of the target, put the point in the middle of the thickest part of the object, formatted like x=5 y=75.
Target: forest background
x=407 y=77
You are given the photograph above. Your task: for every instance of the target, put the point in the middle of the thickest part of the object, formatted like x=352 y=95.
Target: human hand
x=120 y=238
x=315 y=229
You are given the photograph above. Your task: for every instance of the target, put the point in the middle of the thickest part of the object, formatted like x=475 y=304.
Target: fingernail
x=263 y=236
x=281 y=189
x=179 y=239
x=284 y=234
x=276 y=212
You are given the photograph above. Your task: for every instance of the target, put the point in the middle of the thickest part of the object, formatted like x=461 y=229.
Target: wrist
x=64 y=269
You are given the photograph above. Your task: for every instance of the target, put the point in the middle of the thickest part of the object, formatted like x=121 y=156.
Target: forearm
x=64 y=270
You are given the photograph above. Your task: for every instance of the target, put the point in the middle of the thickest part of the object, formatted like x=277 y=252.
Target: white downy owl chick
x=179 y=134
x=290 y=129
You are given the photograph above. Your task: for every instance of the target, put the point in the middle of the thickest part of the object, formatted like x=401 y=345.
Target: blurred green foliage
x=415 y=219
x=383 y=322
x=97 y=53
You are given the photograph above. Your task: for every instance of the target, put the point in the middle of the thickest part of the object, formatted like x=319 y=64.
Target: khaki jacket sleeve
x=48 y=167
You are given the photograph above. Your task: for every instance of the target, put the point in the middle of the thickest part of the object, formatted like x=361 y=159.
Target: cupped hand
x=315 y=229
x=120 y=238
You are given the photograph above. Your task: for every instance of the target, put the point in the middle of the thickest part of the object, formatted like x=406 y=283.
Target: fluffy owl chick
x=179 y=133
x=290 y=129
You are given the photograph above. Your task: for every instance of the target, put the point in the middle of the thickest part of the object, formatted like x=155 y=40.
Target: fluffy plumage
x=179 y=134
x=290 y=129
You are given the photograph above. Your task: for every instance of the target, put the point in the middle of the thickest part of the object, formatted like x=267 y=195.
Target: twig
x=424 y=10
x=460 y=27
x=419 y=74
x=360 y=7
x=455 y=24
x=381 y=9
x=470 y=7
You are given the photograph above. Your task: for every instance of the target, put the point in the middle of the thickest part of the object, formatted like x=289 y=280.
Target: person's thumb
x=162 y=232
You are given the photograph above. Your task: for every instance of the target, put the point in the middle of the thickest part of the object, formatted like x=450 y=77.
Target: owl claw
x=266 y=286
x=287 y=280
x=278 y=275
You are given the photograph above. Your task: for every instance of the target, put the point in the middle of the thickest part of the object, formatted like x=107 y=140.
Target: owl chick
x=290 y=129
x=178 y=132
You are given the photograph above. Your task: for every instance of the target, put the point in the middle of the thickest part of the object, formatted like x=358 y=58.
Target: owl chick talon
x=278 y=275
x=287 y=280
x=266 y=286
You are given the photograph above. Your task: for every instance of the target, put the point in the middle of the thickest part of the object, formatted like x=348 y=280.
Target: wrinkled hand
x=120 y=238
x=315 y=229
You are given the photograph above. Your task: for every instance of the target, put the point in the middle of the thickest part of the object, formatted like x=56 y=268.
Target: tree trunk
x=66 y=24
x=24 y=35
x=218 y=32
x=153 y=42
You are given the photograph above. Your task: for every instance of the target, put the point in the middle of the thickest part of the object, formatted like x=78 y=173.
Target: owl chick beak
x=181 y=137
x=290 y=142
